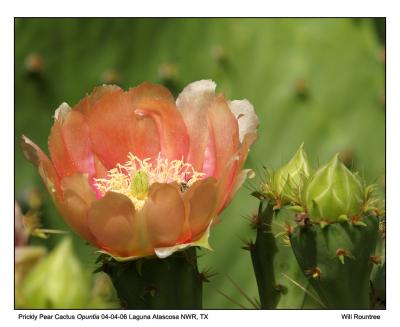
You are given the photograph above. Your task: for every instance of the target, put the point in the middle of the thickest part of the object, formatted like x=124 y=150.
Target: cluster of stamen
x=134 y=177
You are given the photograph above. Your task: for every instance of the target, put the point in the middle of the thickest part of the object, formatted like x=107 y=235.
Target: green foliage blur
x=317 y=81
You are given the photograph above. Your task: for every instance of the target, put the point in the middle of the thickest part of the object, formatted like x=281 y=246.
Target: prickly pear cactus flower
x=137 y=173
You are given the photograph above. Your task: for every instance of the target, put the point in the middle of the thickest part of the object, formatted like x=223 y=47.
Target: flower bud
x=57 y=281
x=333 y=193
x=289 y=179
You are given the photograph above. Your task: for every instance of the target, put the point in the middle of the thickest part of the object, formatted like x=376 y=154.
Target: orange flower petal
x=114 y=224
x=201 y=198
x=46 y=169
x=88 y=102
x=75 y=205
x=155 y=102
x=59 y=152
x=116 y=130
x=76 y=136
x=148 y=90
x=164 y=214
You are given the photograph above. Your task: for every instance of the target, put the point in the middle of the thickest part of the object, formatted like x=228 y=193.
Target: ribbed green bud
x=333 y=193
x=289 y=179
x=140 y=185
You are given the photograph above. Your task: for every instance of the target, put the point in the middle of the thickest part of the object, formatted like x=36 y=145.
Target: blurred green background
x=318 y=81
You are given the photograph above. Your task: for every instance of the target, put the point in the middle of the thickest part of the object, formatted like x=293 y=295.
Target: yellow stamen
x=135 y=177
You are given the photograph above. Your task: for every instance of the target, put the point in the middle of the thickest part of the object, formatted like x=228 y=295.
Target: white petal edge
x=247 y=118
x=196 y=92
x=202 y=242
x=61 y=112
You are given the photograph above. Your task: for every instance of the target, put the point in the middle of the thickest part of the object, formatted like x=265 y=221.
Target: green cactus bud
x=140 y=185
x=333 y=193
x=57 y=281
x=289 y=179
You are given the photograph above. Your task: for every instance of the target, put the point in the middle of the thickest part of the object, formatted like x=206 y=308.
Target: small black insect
x=184 y=187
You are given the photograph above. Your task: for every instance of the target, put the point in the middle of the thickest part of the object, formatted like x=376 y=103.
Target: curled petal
x=246 y=117
x=164 y=214
x=116 y=227
x=59 y=152
x=201 y=199
x=223 y=139
x=196 y=95
x=193 y=103
x=155 y=102
x=46 y=169
x=62 y=112
x=77 y=200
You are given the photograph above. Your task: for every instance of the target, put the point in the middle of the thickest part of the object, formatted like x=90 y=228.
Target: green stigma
x=140 y=185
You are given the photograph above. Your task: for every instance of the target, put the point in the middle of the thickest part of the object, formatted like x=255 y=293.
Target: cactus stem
x=154 y=283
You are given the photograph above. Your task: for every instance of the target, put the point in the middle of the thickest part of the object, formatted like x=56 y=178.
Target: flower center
x=135 y=177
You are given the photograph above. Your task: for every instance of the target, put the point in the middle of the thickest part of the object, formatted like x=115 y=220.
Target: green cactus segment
x=333 y=193
x=281 y=283
x=153 y=283
x=337 y=261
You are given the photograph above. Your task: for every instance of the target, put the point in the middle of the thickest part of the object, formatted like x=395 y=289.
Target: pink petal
x=193 y=103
